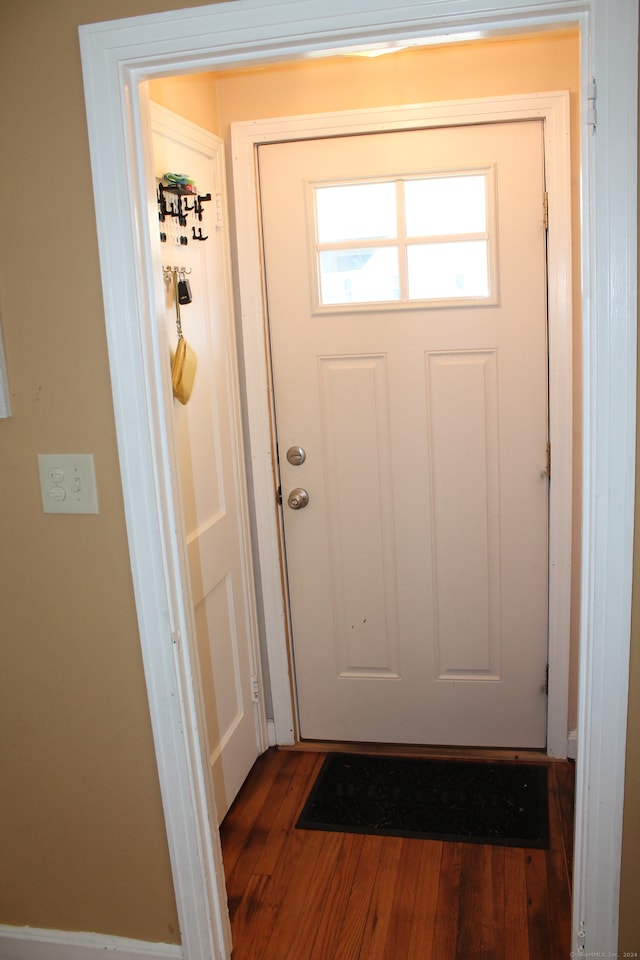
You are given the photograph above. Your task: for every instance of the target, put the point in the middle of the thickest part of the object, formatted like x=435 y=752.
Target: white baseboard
x=31 y=943
x=572 y=745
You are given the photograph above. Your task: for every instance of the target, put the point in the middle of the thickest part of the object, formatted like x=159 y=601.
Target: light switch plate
x=68 y=483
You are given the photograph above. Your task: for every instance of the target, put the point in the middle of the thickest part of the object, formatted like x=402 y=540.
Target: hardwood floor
x=311 y=895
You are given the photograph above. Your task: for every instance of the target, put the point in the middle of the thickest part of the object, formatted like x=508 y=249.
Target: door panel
x=463 y=429
x=208 y=442
x=418 y=571
x=364 y=600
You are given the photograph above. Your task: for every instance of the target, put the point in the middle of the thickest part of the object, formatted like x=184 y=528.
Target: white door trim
x=553 y=109
x=117 y=57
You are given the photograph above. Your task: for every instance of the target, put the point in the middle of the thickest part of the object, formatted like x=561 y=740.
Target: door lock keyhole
x=298 y=498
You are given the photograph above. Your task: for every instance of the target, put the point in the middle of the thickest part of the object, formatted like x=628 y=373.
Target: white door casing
x=417 y=572
x=208 y=438
x=246 y=138
x=117 y=57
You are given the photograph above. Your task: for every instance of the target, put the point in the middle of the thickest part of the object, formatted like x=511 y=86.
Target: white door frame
x=117 y=57
x=246 y=136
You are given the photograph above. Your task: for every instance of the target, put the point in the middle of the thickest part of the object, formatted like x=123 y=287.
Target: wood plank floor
x=310 y=895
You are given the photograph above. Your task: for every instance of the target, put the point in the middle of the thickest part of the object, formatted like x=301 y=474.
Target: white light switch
x=68 y=483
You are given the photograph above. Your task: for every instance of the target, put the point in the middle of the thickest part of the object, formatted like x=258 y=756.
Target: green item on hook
x=179 y=180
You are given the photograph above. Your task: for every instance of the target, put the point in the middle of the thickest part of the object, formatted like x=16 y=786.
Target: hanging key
x=184 y=290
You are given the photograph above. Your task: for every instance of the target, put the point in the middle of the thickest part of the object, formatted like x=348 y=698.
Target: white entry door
x=406 y=289
x=208 y=440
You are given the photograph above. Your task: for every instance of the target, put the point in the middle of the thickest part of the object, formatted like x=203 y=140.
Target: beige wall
x=420 y=75
x=629 y=941
x=81 y=824
x=81 y=827
x=193 y=97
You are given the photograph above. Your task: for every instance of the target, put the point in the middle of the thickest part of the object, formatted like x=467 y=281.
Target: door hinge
x=549 y=460
x=545 y=688
x=592 y=94
x=255 y=690
x=545 y=210
x=279 y=496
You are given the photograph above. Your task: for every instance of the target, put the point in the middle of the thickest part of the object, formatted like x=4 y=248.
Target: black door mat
x=457 y=800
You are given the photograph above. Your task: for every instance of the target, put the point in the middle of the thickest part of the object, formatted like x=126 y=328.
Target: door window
x=410 y=241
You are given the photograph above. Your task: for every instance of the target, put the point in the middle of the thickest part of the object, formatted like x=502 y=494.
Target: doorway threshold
x=417 y=750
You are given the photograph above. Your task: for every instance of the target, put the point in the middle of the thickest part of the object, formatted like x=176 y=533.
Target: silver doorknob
x=298 y=498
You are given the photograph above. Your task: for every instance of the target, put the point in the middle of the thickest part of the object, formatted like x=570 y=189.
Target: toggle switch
x=68 y=483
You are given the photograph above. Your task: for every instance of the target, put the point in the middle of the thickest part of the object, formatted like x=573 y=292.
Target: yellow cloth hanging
x=184 y=360
x=183 y=370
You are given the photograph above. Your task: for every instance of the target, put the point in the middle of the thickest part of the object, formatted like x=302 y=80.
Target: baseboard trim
x=32 y=943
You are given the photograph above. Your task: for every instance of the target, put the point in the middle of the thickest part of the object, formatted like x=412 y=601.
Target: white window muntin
x=402 y=243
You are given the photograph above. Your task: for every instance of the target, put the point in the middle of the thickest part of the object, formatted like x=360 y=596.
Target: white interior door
x=209 y=448
x=406 y=289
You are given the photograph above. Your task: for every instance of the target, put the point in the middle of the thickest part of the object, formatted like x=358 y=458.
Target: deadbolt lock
x=296 y=456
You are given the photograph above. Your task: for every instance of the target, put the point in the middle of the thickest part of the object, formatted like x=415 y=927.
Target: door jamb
x=553 y=109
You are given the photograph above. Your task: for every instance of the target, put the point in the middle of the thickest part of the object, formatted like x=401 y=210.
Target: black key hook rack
x=180 y=206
